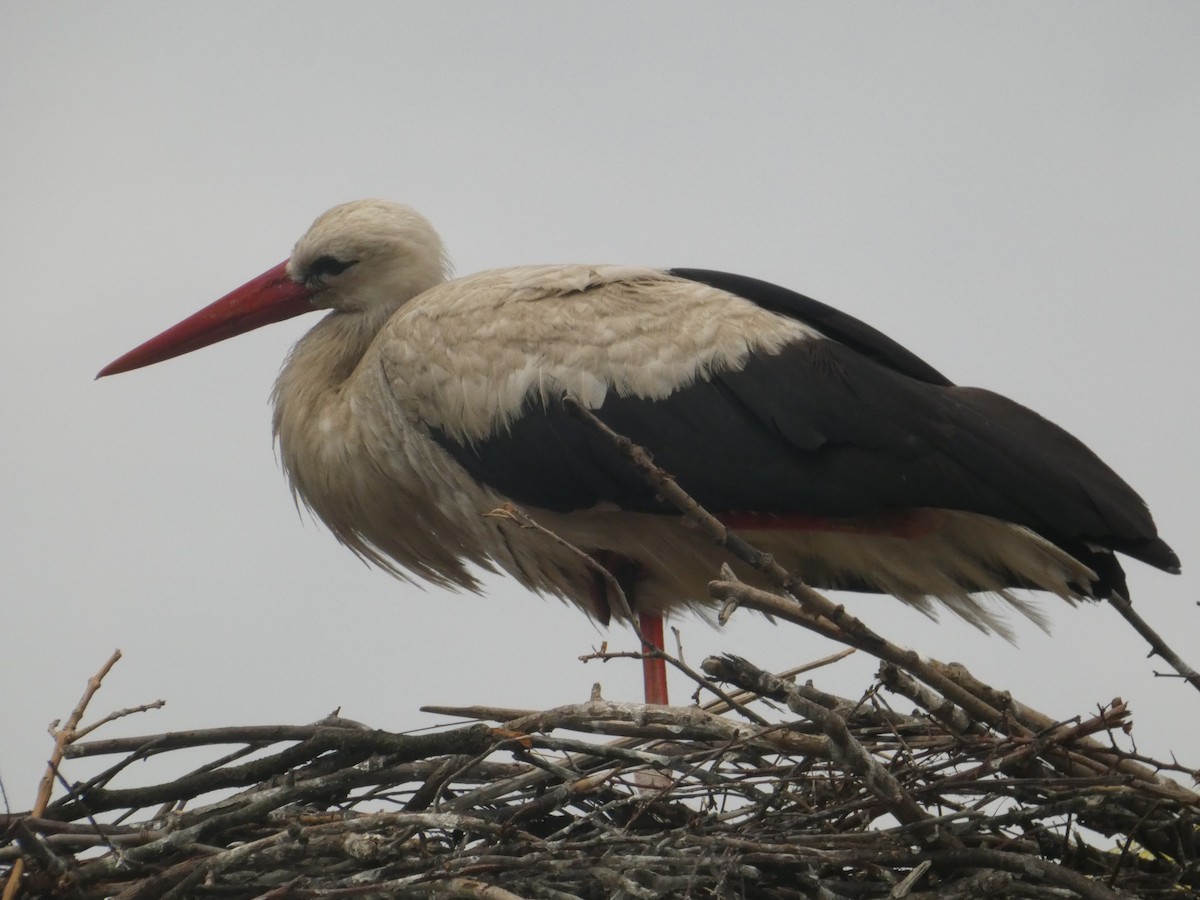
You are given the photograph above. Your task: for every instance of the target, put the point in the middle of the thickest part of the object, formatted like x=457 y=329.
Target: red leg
x=654 y=671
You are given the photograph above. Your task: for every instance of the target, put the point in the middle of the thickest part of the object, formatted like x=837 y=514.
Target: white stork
x=420 y=404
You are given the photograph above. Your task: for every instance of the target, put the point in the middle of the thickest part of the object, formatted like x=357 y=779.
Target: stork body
x=419 y=404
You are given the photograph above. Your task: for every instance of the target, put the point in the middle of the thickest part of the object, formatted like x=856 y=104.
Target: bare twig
x=62 y=737
x=1156 y=641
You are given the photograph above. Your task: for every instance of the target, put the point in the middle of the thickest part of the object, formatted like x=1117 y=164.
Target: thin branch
x=62 y=737
x=1156 y=641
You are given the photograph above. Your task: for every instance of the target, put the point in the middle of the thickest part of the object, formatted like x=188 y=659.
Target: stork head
x=367 y=254
x=367 y=257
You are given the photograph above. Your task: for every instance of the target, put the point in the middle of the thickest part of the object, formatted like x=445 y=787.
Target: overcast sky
x=1010 y=190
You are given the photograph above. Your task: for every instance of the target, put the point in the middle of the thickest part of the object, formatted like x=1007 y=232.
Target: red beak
x=271 y=297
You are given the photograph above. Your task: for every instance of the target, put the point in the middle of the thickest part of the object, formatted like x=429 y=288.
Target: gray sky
x=1010 y=190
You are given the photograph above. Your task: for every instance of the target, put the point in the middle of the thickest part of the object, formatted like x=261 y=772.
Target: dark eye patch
x=325 y=266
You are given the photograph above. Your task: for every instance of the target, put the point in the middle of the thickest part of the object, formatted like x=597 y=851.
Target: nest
x=929 y=785
x=774 y=789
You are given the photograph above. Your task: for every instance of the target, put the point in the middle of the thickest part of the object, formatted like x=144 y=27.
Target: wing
x=840 y=426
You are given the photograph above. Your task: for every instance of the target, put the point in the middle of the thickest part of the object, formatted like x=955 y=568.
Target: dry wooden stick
x=258 y=735
x=718 y=706
x=62 y=737
x=1156 y=641
x=352 y=744
x=897 y=680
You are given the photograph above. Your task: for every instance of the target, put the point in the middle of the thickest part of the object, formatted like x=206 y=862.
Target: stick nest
x=775 y=789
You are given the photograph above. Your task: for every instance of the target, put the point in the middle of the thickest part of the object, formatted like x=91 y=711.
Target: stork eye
x=324 y=266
